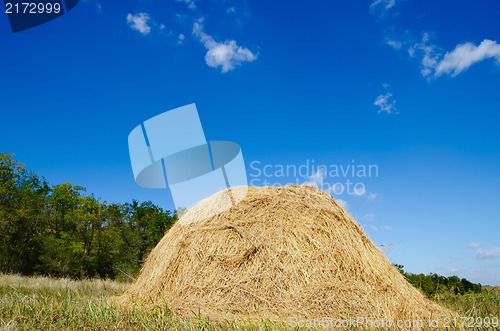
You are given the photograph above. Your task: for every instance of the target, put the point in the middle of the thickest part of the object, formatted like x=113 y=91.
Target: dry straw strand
x=280 y=252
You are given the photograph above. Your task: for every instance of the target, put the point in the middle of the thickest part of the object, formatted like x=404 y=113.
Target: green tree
x=435 y=284
x=149 y=223
x=23 y=216
x=61 y=252
x=62 y=232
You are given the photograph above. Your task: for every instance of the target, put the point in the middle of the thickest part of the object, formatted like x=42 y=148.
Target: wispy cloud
x=231 y=10
x=465 y=55
x=487 y=253
x=381 y=7
x=139 y=22
x=144 y=24
x=359 y=191
x=191 y=4
x=385 y=103
x=434 y=62
x=396 y=44
x=316 y=179
x=484 y=253
x=227 y=55
x=379 y=228
x=369 y=217
x=427 y=53
x=342 y=203
x=180 y=38
x=387 y=4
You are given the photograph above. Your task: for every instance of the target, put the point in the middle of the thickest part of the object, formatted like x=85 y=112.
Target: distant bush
x=434 y=284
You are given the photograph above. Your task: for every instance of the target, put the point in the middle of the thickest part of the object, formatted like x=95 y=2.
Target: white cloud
x=429 y=55
x=189 y=3
x=359 y=191
x=369 y=217
x=394 y=43
x=473 y=245
x=381 y=7
x=434 y=64
x=180 y=38
x=465 y=55
x=384 y=5
x=316 y=179
x=432 y=61
x=385 y=104
x=384 y=101
x=226 y=55
x=384 y=227
x=342 y=203
x=487 y=253
x=139 y=22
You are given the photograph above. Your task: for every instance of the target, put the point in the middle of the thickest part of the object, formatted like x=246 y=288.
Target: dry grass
x=281 y=252
x=37 y=283
x=28 y=303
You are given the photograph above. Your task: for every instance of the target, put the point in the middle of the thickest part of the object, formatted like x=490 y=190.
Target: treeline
x=434 y=284
x=61 y=231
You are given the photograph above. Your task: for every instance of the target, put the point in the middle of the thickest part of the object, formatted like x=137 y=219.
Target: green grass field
x=38 y=303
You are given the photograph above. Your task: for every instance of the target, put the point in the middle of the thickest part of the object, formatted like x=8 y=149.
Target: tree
x=61 y=253
x=60 y=231
x=435 y=284
x=22 y=216
x=149 y=223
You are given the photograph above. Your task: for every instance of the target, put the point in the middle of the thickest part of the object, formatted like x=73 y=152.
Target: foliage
x=434 y=285
x=60 y=231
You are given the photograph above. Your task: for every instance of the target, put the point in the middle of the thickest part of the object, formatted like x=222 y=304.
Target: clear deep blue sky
x=409 y=86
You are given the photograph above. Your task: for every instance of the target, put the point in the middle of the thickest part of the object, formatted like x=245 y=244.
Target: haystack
x=281 y=253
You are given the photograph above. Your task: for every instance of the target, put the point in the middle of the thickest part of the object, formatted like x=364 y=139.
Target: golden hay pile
x=281 y=252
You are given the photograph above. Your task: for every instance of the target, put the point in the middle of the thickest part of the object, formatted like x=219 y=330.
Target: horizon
x=409 y=88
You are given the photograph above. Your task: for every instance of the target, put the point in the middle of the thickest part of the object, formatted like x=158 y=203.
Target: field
x=38 y=303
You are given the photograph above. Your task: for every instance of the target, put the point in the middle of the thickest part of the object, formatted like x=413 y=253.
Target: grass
x=39 y=303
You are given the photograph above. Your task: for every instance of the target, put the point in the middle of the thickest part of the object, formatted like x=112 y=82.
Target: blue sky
x=408 y=86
